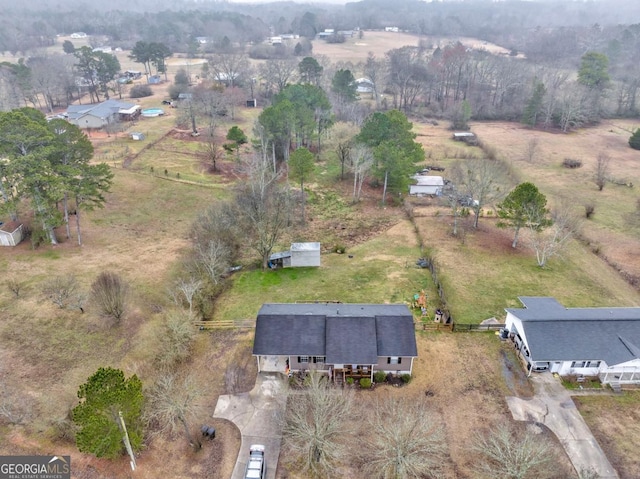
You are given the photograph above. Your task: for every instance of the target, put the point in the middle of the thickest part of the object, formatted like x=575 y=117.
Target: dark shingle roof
x=294 y=334
x=556 y=333
x=344 y=333
x=351 y=340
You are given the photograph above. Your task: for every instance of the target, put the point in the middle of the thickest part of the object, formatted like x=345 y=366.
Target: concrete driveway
x=258 y=415
x=552 y=406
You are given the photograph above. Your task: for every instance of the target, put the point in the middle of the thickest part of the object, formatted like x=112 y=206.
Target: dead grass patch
x=615 y=422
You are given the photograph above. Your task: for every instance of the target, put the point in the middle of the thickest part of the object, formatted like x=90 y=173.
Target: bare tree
x=602 y=170
x=212 y=152
x=403 y=439
x=175 y=339
x=173 y=403
x=531 y=150
x=374 y=71
x=229 y=68
x=14 y=408
x=110 y=292
x=484 y=182
x=63 y=291
x=315 y=431
x=15 y=286
x=362 y=161
x=212 y=260
x=509 y=454
x=342 y=135
x=552 y=240
x=210 y=102
x=188 y=288
x=263 y=207
x=279 y=72
x=452 y=195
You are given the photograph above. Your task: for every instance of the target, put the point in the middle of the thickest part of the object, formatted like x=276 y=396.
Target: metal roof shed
x=305 y=254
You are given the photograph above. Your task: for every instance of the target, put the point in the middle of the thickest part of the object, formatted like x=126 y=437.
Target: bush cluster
x=140 y=91
x=571 y=163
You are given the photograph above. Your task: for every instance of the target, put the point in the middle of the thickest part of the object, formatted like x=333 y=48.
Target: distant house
x=137 y=135
x=603 y=342
x=77 y=35
x=339 y=340
x=103 y=49
x=299 y=255
x=154 y=79
x=275 y=40
x=391 y=29
x=203 y=40
x=102 y=114
x=132 y=74
x=427 y=185
x=364 y=85
x=11 y=233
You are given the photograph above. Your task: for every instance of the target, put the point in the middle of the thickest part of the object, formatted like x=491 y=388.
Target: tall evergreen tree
x=534 y=105
x=394 y=148
x=107 y=401
x=524 y=206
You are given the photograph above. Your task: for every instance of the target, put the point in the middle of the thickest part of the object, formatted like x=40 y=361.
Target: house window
x=593 y=364
x=394 y=360
x=303 y=359
x=318 y=359
x=577 y=364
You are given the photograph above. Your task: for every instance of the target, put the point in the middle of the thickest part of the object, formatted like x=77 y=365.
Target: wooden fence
x=225 y=324
x=460 y=327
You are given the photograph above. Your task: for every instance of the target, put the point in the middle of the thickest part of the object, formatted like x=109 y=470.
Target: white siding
x=305 y=254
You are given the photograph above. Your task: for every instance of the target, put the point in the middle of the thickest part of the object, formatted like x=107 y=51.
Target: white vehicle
x=257 y=466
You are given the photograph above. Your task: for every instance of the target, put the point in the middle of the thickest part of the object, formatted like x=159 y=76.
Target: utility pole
x=127 y=444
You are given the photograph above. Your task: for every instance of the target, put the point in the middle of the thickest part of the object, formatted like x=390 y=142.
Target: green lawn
x=381 y=270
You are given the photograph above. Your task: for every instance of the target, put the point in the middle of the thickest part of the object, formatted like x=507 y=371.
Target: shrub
x=110 y=292
x=62 y=290
x=140 y=91
x=589 y=210
x=349 y=381
x=379 y=376
x=406 y=378
x=571 y=163
x=634 y=141
x=365 y=383
x=340 y=249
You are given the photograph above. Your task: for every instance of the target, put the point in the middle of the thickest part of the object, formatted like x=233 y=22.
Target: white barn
x=603 y=342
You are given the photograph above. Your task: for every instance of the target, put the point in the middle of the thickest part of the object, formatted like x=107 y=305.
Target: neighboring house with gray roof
x=602 y=342
x=340 y=340
x=99 y=115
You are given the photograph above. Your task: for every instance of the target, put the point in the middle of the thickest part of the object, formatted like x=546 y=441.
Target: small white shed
x=427 y=185
x=305 y=254
x=299 y=255
x=10 y=233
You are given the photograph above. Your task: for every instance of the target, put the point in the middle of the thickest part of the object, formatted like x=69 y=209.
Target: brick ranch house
x=340 y=340
x=603 y=342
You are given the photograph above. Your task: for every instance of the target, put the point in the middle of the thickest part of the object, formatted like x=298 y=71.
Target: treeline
x=28 y=26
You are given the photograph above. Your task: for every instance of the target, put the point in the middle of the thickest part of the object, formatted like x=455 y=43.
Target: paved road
x=258 y=415
x=552 y=406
